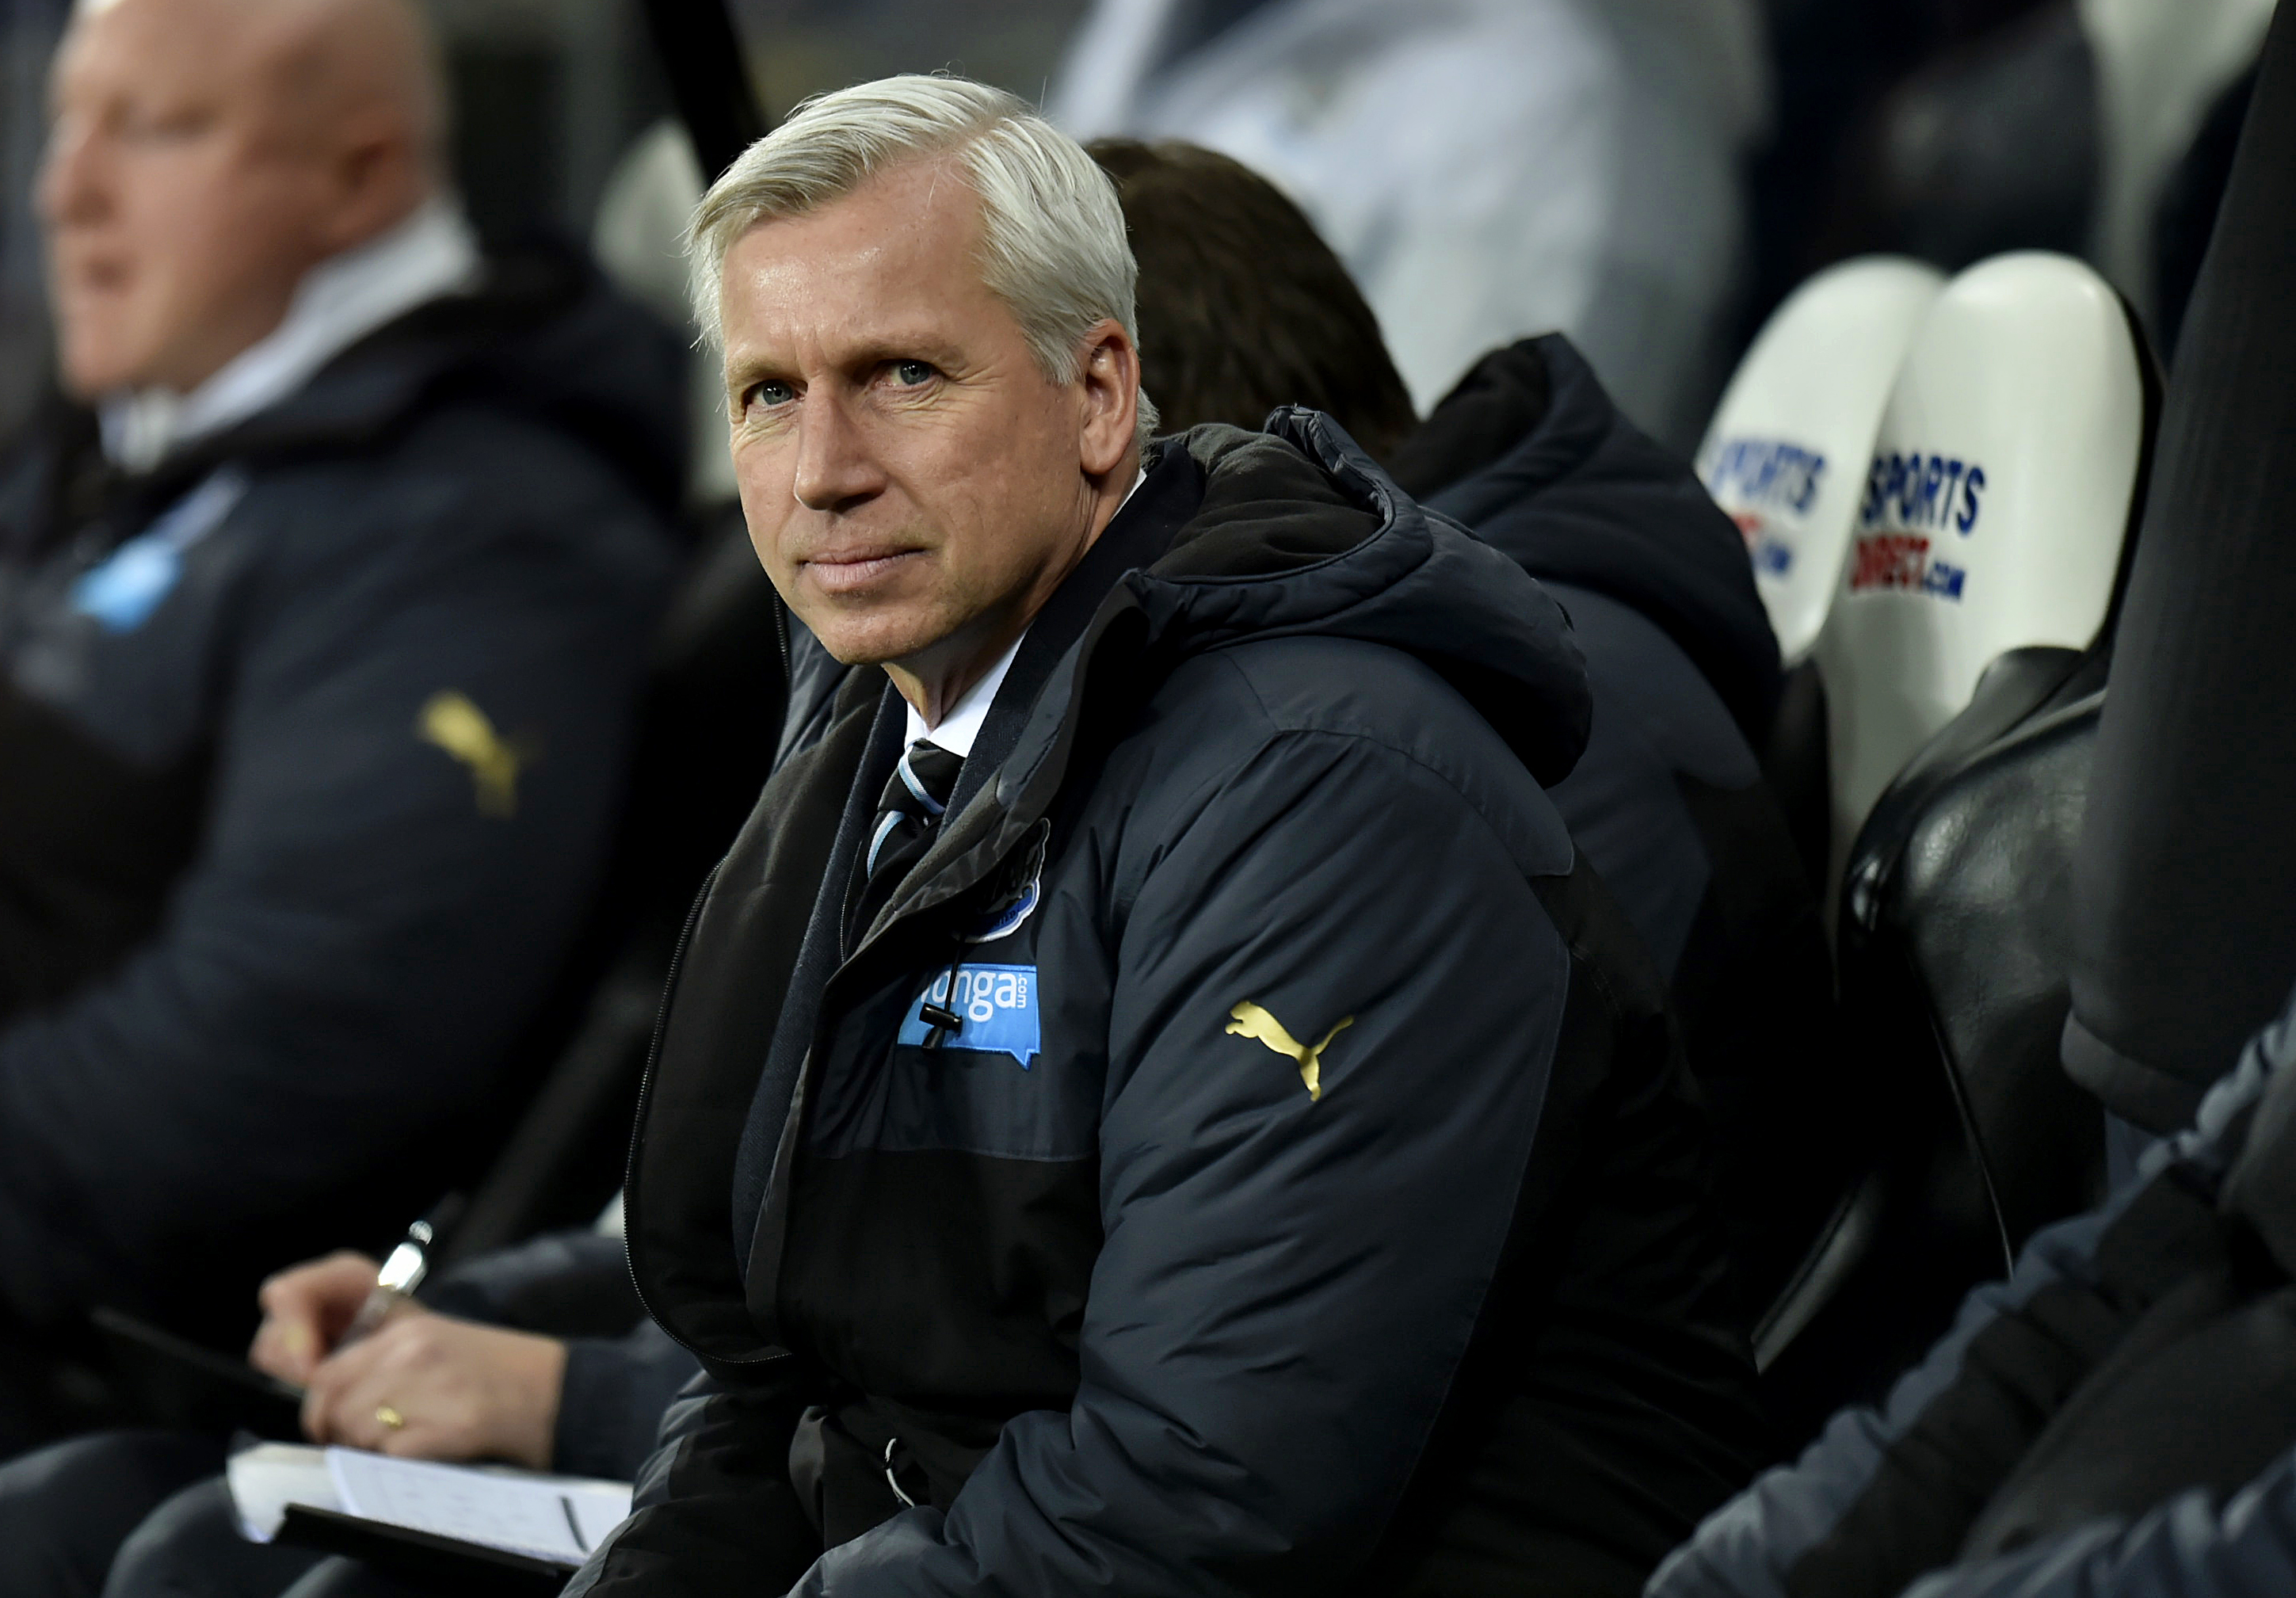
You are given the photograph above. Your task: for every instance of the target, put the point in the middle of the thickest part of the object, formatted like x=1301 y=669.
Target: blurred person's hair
x=1052 y=237
x=1242 y=305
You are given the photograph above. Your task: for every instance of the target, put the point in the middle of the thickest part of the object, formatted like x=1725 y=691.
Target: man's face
x=914 y=483
x=181 y=209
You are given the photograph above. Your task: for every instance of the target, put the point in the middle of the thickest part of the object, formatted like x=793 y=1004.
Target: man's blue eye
x=770 y=394
x=910 y=373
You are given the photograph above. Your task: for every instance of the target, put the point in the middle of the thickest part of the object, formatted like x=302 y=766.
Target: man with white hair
x=1150 y=1102
x=324 y=602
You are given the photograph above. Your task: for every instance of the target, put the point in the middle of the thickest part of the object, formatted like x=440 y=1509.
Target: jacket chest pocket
x=944 y=1205
x=987 y=1054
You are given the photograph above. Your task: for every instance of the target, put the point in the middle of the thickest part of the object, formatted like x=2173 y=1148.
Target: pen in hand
x=403 y=1270
x=313 y=1310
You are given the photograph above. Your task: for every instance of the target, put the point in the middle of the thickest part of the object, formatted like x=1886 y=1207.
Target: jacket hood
x=1299 y=532
x=1531 y=452
x=545 y=335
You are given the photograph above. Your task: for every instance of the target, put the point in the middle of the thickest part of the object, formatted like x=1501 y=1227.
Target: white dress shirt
x=962 y=724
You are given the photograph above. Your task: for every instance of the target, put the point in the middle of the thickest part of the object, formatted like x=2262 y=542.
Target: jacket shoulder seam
x=1378 y=737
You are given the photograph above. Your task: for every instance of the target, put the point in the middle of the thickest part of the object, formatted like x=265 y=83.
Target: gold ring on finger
x=389 y=1418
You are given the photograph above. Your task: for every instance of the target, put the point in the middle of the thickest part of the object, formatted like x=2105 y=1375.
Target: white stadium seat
x=1993 y=513
x=1785 y=454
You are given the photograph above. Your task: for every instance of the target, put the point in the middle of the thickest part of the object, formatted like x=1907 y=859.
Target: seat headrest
x=1786 y=451
x=1995 y=509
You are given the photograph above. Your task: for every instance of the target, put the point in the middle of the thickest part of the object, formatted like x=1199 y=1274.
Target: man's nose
x=71 y=182
x=836 y=468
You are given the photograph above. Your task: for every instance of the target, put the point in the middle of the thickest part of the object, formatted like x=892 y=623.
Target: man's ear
x=374 y=180
x=1111 y=376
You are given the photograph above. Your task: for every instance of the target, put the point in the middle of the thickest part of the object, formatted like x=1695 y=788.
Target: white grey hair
x=1053 y=246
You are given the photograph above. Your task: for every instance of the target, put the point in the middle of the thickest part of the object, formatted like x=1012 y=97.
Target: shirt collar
x=962 y=726
x=339 y=302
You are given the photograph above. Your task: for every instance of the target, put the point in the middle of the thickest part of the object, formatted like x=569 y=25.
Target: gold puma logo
x=1252 y=1021
x=451 y=721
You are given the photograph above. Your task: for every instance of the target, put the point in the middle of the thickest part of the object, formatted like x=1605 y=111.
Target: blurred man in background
x=1487 y=168
x=1243 y=307
x=319 y=639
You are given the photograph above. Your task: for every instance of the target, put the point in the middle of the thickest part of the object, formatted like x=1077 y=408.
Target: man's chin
x=97 y=368
x=877 y=641
x=100 y=348
x=88 y=376
x=869 y=628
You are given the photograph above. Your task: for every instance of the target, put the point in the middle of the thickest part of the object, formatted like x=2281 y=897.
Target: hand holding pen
x=380 y=1372
x=312 y=1311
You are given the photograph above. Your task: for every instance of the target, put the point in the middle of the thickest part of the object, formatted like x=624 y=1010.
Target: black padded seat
x=1955 y=939
x=1955 y=945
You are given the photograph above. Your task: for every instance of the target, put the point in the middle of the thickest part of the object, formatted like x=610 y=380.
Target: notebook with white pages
x=555 y=1519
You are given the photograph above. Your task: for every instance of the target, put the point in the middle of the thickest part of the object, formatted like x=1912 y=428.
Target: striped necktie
x=908 y=817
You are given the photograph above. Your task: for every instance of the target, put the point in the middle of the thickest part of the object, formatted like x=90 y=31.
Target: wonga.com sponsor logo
x=1908 y=498
x=996 y=1007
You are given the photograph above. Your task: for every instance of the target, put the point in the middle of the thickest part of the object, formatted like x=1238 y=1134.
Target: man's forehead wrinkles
x=801 y=267
x=782 y=257
x=792 y=283
x=782 y=345
x=781 y=313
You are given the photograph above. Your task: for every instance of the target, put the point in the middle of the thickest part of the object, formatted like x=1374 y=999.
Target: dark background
x=1946 y=128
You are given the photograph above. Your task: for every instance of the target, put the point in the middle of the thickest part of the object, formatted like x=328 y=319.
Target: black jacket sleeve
x=2189 y=1547
x=570 y=1285
x=1886 y=1492
x=612 y=1400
